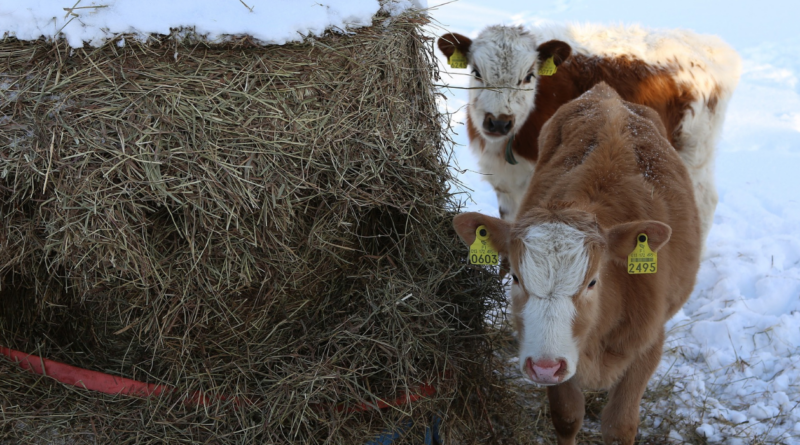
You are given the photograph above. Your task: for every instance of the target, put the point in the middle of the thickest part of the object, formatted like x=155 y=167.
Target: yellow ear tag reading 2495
x=457 y=60
x=548 y=68
x=642 y=259
x=481 y=251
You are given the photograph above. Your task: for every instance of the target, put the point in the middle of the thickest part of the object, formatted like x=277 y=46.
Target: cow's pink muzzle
x=546 y=372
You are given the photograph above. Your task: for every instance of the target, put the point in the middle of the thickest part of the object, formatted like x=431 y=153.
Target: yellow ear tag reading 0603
x=548 y=68
x=481 y=251
x=457 y=60
x=642 y=259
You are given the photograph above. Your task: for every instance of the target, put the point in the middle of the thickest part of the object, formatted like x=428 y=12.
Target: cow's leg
x=698 y=157
x=620 y=419
x=567 y=410
x=507 y=207
x=706 y=197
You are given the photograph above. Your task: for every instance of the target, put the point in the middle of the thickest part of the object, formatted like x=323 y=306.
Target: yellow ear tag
x=481 y=251
x=548 y=68
x=457 y=60
x=642 y=259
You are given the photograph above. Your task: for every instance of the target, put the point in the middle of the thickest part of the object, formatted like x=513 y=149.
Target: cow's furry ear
x=499 y=231
x=621 y=238
x=558 y=50
x=449 y=42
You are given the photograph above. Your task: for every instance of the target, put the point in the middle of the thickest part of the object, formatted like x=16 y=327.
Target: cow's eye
x=476 y=74
x=514 y=277
x=592 y=283
x=529 y=77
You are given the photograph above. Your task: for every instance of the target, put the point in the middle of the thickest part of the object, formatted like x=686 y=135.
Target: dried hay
x=267 y=223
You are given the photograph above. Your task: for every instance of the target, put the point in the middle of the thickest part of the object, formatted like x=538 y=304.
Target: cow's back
x=612 y=158
x=687 y=78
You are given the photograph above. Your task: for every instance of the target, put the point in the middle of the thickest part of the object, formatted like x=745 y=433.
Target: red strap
x=83 y=378
x=109 y=384
x=405 y=399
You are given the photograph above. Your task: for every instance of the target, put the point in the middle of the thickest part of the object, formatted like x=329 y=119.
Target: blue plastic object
x=389 y=436
x=432 y=432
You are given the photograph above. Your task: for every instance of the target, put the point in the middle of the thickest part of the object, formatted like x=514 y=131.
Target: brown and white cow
x=605 y=174
x=687 y=78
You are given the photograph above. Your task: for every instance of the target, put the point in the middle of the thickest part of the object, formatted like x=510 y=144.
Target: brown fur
x=633 y=79
x=473 y=132
x=556 y=49
x=449 y=42
x=607 y=169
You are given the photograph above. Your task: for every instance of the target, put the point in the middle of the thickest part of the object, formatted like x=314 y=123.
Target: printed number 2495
x=641 y=268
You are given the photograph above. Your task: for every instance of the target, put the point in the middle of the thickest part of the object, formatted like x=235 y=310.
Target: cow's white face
x=552 y=282
x=503 y=63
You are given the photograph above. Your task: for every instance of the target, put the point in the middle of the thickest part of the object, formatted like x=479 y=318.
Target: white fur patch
x=553 y=267
x=554 y=261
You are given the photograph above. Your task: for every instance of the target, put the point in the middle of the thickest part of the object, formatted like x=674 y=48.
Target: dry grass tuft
x=269 y=223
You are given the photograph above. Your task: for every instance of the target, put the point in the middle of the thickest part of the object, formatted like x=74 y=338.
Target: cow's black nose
x=500 y=125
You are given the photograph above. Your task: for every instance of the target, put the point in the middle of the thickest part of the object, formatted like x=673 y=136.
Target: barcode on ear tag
x=481 y=251
x=642 y=259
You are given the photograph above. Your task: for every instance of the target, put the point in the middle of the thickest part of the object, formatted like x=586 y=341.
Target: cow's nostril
x=501 y=125
x=488 y=123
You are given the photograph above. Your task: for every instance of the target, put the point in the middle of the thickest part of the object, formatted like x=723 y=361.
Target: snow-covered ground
x=733 y=352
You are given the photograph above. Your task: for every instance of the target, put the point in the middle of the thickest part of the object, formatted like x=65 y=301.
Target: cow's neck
x=510 y=182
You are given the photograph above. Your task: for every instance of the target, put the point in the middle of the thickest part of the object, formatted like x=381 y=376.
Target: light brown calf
x=606 y=173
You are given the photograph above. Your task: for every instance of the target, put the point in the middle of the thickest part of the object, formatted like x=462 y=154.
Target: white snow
x=268 y=21
x=732 y=356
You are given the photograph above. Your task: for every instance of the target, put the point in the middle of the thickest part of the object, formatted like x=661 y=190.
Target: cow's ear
x=448 y=43
x=498 y=230
x=622 y=240
x=558 y=50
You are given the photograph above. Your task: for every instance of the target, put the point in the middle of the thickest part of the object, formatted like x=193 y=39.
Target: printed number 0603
x=483 y=259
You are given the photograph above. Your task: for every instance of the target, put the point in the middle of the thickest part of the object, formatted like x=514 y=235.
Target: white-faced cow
x=686 y=78
x=606 y=174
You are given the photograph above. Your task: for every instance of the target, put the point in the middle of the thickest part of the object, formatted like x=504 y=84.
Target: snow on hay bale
x=270 y=223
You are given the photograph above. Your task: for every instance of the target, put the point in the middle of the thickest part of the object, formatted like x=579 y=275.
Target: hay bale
x=266 y=223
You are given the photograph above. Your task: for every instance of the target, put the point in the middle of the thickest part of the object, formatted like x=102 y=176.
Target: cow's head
x=559 y=260
x=504 y=62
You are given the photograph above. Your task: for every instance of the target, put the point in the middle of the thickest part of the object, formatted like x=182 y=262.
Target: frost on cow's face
x=503 y=61
x=555 y=282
